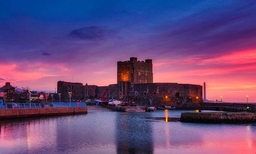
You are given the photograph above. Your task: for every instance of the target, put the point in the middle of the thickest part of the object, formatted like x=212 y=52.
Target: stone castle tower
x=134 y=71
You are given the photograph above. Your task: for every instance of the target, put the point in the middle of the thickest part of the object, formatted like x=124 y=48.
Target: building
x=135 y=71
x=68 y=91
x=8 y=92
x=134 y=83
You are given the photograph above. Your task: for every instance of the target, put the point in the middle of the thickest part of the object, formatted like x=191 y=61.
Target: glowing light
x=166 y=115
x=125 y=76
x=197 y=98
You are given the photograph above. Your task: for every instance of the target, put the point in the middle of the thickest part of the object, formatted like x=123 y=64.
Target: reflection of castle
x=133 y=135
x=134 y=82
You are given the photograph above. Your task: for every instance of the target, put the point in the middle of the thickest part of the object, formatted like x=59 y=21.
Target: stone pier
x=38 y=112
x=218 y=117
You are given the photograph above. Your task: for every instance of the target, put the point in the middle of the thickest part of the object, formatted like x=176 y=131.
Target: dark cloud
x=92 y=33
x=46 y=54
x=1 y=79
x=214 y=29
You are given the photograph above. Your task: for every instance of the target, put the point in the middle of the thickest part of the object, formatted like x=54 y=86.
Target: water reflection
x=123 y=133
x=23 y=135
x=133 y=134
x=166 y=114
x=171 y=135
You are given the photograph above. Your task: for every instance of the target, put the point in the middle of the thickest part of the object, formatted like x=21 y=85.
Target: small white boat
x=115 y=102
x=169 y=107
x=150 y=109
x=166 y=108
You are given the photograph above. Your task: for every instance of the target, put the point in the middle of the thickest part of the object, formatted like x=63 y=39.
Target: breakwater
x=37 y=112
x=218 y=117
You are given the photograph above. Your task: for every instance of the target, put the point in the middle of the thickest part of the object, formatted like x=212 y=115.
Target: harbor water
x=102 y=131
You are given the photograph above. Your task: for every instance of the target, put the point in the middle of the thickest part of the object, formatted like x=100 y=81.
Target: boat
x=170 y=107
x=114 y=102
x=166 y=107
x=150 y=109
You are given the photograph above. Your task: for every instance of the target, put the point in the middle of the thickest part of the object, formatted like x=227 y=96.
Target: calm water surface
x=102 y=131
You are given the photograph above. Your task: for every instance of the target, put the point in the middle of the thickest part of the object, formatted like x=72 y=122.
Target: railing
x=41 y=105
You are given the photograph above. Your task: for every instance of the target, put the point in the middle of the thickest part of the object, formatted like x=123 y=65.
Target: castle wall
x=135 y=80
x=77 y=91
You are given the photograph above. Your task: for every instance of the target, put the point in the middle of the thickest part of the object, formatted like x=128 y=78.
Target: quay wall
x=37 y=112
x=218 y=117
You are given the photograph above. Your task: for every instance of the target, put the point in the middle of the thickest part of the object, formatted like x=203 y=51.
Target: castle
x=134 y=83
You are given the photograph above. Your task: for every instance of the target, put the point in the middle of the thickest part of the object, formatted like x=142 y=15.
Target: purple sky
x=44 y=41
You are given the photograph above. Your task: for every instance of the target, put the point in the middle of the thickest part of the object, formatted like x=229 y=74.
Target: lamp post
x=59 y=97
x=197 y=98
x=221 y=98
x=52 y=97
x=247 y=101
x=70 y=94
x=166 y=99
x=29 y=93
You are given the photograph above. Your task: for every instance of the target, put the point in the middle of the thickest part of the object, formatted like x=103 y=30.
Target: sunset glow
x=189 y=42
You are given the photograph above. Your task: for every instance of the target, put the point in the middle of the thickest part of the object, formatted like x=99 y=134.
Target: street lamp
x=59 y=97
x=197 y=98
x=247 y=101
x=52 y=97
x=221 y=98
x=29 y=92
x=70 y=93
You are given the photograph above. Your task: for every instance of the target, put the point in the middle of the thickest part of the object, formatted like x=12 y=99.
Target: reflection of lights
x=167 y=130
x=166 y=115
x=197 y=111
x=28 y=137
x=1 y=131
x=249 y=136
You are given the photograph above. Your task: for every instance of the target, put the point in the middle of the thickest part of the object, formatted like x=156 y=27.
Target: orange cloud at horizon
x=27 y=71
x=231 y=75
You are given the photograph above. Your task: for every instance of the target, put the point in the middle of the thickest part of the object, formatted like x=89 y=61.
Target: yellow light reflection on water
x=167 y=130
x=166 y=115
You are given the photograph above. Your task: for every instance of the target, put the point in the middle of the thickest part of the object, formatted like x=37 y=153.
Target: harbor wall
x=37 y=112
x=218 y=117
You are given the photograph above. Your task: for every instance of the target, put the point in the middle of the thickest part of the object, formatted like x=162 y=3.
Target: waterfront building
x=8 y=91
x=134 y=83
x=69 y=91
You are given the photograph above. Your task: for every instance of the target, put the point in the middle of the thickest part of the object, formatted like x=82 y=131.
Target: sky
x=189 y=41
